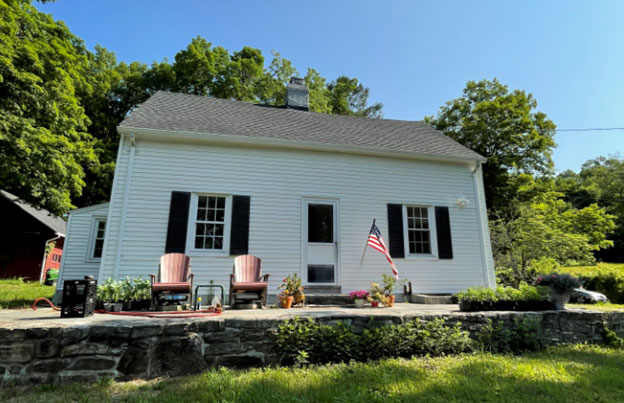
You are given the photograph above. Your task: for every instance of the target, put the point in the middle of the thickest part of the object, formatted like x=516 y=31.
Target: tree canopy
x=60 y=103
x=504 y=127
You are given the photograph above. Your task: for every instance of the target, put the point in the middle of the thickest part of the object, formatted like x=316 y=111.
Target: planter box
x=475 y=306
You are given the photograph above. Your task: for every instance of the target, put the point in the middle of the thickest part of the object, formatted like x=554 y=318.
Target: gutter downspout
x=45 y=255
x=124 y=206
x=484 y=234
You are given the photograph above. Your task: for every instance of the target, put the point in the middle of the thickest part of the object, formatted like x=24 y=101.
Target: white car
x=588 y=297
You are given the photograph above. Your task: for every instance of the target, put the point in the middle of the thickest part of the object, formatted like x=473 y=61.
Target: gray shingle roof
x=173 y=112
x=51 y=221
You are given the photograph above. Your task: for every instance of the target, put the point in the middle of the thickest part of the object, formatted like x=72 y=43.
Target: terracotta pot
x=299 y=297
x=359 y=302
x=375 y=304
x=286 y=302
x=389 y=301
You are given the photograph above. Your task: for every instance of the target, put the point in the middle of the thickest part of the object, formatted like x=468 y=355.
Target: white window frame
x=95 y=221
x=432 y=234
x=190 y=232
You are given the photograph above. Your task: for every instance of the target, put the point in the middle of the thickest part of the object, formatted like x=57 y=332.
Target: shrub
x=499 y=338
x=524 y=293
x=306 y=340
x=137 y=289
x=610 y=282
x=560 y=282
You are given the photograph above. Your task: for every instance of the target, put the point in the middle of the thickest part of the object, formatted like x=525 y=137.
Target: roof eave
x=225 y=139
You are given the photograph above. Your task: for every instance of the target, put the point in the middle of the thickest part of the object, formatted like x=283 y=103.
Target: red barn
x=25 y=236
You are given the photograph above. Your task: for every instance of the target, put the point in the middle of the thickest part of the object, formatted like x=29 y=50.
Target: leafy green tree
x=44 y=144
x=547 y=227
x=347 y=96
x=600 y=181
x=504 y=127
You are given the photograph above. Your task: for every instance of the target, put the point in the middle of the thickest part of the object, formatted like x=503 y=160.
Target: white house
x=216 y=178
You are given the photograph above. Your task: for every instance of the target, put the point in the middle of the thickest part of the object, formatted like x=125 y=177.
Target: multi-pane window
x=98 y=240
x=210 y=222
x=418 y=230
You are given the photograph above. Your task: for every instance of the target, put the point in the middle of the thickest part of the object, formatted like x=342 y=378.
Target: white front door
x=320 y=241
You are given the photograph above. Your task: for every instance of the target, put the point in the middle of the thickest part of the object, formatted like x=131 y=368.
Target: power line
x=591 y=129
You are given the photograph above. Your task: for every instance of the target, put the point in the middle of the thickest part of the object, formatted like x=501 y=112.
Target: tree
x=547 y=227
x=44 y=144
x=600 y=181
x=504 y=127
x=347 y=96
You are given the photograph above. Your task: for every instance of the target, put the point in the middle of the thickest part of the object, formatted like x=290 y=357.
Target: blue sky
x=413 y=55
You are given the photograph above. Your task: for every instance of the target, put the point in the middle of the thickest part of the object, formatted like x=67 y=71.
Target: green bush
x=307 y=341
x=126 y=290
x=522 y=336
x=524 y=293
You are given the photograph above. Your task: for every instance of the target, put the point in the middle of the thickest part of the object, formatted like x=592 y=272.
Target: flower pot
x=389 y=301
x=117 y=307
x=375 y=304
x=559 y=299
x=298 y=297
x=359 y=302
x=286 y=302
x=107 y=306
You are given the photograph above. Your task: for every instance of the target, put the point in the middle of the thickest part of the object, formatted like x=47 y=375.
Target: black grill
x=78 y=298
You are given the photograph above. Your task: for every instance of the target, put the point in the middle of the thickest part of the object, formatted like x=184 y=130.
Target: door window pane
x=321 y=223
x=320 y=273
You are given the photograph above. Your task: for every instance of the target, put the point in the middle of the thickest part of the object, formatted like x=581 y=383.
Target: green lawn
x=16 y=293
x=563 y=374
x=578 y=270
x=599 y=307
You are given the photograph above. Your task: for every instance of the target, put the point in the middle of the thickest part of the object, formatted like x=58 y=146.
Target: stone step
x=328 y=299
x=431 y=299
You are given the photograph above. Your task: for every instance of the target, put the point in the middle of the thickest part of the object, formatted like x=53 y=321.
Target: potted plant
x=298 y=295
x=290 y=285
x=389 y=284
x=561 y=285
x=110 y=295
x=376 y=295
x=359 y=297
x=142 y=294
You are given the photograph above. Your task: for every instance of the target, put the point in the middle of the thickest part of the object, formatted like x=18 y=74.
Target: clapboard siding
x=75 y=261
x=277 y=180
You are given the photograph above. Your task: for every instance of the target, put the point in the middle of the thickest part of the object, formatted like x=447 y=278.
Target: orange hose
x=34 y=306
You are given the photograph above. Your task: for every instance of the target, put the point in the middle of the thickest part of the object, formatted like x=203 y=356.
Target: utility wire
x=591 y=129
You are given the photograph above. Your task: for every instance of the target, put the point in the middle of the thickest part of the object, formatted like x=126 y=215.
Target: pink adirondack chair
x=174 y=276
x=247 y=276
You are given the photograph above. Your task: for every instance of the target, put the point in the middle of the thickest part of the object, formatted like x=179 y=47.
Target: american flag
x=375 y=241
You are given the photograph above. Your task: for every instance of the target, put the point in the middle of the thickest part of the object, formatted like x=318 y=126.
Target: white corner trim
x=484 y=229
x=59 y=282
x=124 y=206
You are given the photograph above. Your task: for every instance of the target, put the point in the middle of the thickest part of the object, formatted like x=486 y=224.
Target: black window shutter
x=178 y=222
x=239 y=237
x=443 y=229
x=395 y=230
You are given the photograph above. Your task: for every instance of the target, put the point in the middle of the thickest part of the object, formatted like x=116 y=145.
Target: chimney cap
x=297 y=80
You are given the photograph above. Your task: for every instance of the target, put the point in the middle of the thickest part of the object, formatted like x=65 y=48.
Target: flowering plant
x=562 y=283
x=359 y=294
x=291 y=284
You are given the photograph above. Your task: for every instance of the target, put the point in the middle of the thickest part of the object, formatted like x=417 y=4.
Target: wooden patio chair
x=247 y=277
x=174 y=276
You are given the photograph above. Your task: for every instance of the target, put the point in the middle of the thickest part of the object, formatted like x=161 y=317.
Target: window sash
x=98 y=232
x=209 y=223
x=419 y=231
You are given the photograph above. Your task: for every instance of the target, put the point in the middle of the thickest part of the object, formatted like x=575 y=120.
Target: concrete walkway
x=46 y=317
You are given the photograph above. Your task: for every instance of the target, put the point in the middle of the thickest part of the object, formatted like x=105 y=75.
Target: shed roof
x=174 y=112
x=48 y=219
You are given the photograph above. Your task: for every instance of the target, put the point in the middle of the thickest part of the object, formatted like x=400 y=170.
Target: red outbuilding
x=26 y=234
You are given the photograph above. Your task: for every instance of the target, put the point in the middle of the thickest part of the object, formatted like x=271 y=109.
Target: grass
x=572 y=374
x=16 y=293
x=579 y=270
x=608 y=307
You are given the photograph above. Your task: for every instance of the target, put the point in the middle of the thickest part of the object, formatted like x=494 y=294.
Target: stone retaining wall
x=132 y=349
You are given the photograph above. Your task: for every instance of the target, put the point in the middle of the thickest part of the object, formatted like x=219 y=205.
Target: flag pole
x=366 y=244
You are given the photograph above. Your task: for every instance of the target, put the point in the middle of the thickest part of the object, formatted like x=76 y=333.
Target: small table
x=209 y=286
